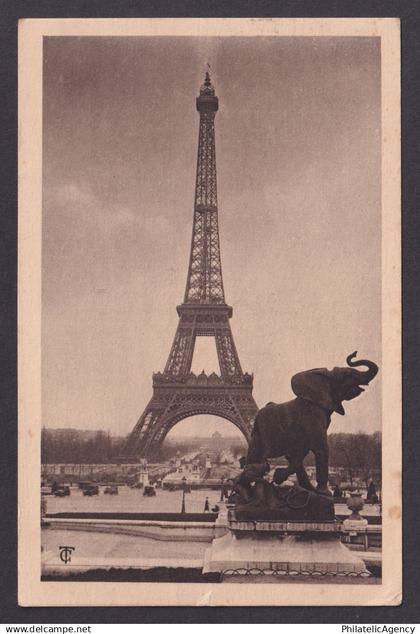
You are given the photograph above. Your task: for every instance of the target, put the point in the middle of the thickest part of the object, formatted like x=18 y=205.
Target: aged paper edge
x=33 y=592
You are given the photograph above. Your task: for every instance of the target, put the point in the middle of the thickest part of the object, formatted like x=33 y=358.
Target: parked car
x=62 y=492
x=149 y=491
x=92 y=489
x=111 y=490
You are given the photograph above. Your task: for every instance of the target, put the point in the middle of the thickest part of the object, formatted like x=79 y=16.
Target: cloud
x=78 y=203
x=91 y=241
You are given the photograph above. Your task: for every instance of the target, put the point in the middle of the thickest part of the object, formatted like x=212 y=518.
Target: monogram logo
x=65 y=553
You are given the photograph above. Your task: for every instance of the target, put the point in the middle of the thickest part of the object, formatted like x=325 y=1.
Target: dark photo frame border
x=409 y=13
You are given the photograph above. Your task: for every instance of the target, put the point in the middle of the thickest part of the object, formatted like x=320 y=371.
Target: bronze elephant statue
x=294 y=428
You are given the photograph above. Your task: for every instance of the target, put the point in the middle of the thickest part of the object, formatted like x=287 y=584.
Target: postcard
x=209 y=312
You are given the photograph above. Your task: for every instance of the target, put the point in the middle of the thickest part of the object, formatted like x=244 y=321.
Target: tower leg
x=165 y=410
x=139 y=439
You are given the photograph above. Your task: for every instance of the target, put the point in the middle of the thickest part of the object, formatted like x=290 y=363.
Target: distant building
x=83 y=470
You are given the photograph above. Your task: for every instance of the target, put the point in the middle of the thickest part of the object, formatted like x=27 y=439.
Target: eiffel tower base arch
x=173 y=401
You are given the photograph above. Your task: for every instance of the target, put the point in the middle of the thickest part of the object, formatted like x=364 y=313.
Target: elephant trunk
x=367 y=375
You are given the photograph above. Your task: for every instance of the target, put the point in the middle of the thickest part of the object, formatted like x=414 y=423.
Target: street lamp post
x=184 y=480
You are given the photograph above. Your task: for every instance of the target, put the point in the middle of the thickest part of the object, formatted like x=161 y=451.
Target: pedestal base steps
x=282 y=548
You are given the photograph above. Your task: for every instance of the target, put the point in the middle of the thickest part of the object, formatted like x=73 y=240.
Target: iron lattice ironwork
x=177 y=392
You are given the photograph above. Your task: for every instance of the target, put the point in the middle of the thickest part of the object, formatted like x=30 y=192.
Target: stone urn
x=355 y=504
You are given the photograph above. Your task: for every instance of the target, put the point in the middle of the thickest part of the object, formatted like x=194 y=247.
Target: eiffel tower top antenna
x=204 y=280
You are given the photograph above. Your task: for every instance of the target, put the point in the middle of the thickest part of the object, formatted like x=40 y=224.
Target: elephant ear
x=316 y=386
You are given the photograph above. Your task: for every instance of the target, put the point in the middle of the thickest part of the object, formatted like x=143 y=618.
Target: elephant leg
x=296 y=463
x=291 y=467
x=321 y=461
x=282 y=473
x=303 y=478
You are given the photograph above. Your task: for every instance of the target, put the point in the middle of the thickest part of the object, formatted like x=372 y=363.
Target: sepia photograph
x=209 y=312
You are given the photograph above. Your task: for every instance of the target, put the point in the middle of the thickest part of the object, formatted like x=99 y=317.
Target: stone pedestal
x=221 y=524
x=278 y=547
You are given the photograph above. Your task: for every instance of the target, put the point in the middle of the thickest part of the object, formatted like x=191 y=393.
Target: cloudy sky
x=298 y=160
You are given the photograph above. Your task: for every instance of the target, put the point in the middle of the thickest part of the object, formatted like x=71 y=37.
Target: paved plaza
x=132 y=501
x=110 y=545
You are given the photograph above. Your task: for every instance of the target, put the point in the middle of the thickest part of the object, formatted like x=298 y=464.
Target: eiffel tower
x=177 y=392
